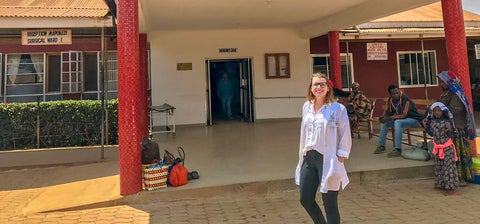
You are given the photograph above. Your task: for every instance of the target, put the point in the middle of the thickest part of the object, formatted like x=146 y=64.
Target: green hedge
x=59 y=123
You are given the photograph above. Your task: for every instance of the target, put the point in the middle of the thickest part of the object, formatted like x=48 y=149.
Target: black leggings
x=310 y=177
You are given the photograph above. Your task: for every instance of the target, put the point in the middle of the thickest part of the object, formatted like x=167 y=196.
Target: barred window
x=321 y=63
x=24 y=68
x=415 y=70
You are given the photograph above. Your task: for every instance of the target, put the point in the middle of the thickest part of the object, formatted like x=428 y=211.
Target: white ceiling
x=310 y=17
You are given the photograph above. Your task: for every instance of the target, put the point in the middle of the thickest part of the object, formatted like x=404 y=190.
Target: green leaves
x=60 y=124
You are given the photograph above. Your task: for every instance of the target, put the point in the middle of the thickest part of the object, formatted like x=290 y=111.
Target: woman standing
x=454 y=98
x=325 y=144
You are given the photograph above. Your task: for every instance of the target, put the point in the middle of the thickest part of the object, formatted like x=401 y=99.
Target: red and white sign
x=377 y=51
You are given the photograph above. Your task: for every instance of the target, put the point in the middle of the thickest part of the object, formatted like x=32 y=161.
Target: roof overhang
x=310 y=18
x=421 y=22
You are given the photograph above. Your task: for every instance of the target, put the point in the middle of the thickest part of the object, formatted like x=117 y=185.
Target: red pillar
x=143 y=84
x=129 y=93
x=456 y=42
x=334 y=48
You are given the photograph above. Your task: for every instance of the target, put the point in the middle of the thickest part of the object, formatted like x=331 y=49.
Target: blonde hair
x=329 y=98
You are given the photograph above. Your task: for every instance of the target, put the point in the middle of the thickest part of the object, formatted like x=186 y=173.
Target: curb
x=262 y=188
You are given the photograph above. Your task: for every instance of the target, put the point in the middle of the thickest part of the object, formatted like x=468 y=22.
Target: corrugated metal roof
x=53 y=8
x=428 y=13
x=410 y=30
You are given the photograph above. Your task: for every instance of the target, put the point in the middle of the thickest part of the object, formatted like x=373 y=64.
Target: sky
x=471 y=5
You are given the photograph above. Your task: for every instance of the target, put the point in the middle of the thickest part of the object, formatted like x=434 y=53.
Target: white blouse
x=328 y=132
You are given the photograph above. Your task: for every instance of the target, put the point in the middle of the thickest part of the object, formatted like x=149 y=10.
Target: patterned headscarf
x=455 y=86
x=443 y=108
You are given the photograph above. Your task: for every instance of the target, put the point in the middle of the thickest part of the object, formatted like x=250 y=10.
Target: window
x=85 y=69
x=321 y=63
x=277 y=65
x=72 y=72
x=111 y=71
x=24 y=77
x=415 y=70
x=24 y=68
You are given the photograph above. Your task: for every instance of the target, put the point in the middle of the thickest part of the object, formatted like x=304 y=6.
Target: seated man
x=401 y=113
x=359 y=106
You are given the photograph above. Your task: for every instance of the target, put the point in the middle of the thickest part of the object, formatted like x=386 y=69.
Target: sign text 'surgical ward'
x=46 y=37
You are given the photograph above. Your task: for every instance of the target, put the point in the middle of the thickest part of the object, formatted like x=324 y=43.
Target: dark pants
x=310 y=177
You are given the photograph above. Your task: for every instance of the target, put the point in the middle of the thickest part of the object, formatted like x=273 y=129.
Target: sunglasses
x=320 y=84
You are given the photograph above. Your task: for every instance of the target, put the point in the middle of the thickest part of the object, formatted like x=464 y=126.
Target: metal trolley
x=157 y=114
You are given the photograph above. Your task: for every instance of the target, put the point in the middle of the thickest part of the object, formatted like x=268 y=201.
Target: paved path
x=407 y=201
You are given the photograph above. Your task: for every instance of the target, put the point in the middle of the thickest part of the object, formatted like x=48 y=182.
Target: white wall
x=185 y=90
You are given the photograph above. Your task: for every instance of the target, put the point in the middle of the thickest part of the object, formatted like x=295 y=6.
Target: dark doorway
x=53 y=80
x=229 y=90
x=90 y=72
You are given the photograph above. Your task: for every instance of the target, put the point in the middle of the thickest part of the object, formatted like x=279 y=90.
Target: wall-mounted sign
x=46 y=37
x=227 y=50
x=377 y=51
x=477 y=51
x=184 y=66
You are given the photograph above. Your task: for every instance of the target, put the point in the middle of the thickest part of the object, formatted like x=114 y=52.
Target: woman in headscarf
x=454 y=98
x=359 y=107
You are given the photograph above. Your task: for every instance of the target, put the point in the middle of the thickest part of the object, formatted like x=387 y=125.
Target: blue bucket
x=476 y=179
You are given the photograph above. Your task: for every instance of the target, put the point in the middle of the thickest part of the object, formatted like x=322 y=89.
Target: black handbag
x=150 y=151
x=170 y=158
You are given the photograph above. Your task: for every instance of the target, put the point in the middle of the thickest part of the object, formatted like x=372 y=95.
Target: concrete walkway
x=239 y=164
x=410 y=201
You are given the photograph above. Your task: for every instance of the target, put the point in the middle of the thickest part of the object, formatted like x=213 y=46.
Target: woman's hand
x=341 y=159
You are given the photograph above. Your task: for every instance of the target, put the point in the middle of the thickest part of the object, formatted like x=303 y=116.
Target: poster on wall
x=46 y=37
x=477 y=51
x=377 y=51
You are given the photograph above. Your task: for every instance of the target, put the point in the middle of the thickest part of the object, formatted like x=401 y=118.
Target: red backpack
x=178 y=175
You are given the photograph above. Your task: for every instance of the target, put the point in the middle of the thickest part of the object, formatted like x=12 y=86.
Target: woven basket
x=154 y=176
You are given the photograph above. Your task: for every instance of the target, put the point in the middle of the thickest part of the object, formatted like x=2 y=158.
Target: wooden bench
x=422 y=107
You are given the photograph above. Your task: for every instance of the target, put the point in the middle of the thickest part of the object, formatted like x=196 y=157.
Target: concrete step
x=104 y=192
x=266 y=187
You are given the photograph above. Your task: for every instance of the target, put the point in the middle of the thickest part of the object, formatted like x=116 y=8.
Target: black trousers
x=310 y=177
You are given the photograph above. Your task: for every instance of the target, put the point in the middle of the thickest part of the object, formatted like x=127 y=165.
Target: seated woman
x=359 y=107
